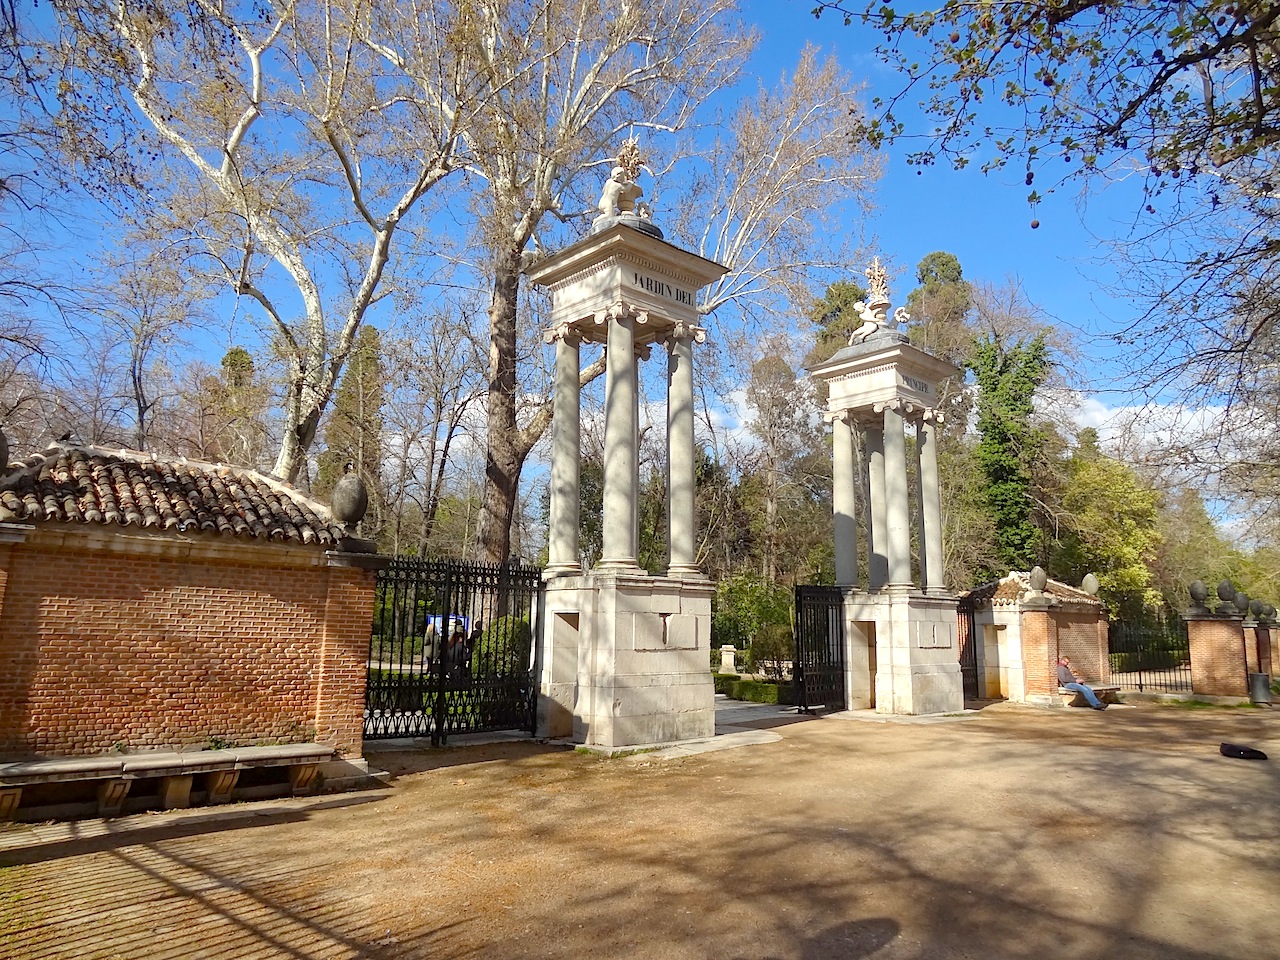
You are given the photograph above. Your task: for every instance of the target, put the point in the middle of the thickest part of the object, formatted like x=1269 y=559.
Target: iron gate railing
x=1150 y=653
x=968 y=647
x=452 y=649
x=820 y=676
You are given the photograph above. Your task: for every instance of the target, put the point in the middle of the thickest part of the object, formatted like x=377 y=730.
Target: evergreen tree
x=1007 y=375
x=354 y=431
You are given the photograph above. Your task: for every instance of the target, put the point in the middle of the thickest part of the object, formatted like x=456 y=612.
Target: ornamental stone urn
x=350 y=499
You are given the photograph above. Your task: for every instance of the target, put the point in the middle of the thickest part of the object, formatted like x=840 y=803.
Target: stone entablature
x=622 y=268
x=883 y=371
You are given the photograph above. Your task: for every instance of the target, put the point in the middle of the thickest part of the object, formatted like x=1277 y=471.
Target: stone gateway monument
x=900 y=621
x=625 y=654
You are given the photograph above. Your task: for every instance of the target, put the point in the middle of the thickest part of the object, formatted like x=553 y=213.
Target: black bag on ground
x=1238 y=752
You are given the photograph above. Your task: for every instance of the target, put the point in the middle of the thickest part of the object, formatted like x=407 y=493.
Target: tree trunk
x=504 y=458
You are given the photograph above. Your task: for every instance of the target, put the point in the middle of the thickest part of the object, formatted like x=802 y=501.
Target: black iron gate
x=820 y=676
x=1150 y=652
x=452 y=649
x=968 y=647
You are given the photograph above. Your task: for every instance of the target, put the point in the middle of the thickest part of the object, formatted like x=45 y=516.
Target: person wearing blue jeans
x=1068 y=680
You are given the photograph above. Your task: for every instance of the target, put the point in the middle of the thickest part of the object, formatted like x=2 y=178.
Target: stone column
x=844 y=500
x=682 y=558
x=620 y=437
x=898 y=500
x=562 y=539
x=931 y=528
x=878 y=562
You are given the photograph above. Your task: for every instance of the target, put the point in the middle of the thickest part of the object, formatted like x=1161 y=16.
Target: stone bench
x=1106 y=692
x=219 y=771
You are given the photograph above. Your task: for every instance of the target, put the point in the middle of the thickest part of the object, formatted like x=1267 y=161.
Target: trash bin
x=1260 y=687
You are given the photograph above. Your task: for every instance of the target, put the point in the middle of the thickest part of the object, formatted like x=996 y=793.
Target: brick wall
x=103 y=649
x=1078 y=632
x=1080 y=638
x=1217 y=657
x=1039 y=643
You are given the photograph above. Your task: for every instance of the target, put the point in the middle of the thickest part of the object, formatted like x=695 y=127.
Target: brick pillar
x=1104 y=645
x=1218 y=665
x=348 y=620
x=1039 y=648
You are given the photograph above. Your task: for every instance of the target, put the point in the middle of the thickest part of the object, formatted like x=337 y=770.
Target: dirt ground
x=1021 y=833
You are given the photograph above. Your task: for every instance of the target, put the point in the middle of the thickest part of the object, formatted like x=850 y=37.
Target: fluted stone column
x=844 y=500
x=563 y=557
x=682 y=558
x=878 y=563
x=620 y=438
x=931 y=534
x=899 y=501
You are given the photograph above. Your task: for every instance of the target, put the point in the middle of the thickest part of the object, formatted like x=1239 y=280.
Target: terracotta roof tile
x=1009 y=589
x=82 y=484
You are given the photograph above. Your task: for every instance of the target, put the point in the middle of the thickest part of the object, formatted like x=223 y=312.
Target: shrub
x=503 y=648
x=772 y=650
x=724 y=682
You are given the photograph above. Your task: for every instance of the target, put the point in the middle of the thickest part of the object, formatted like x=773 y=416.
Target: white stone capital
x=562 y=331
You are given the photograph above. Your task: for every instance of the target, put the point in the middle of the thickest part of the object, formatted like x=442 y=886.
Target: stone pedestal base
x=903 y=653
x=626 y=660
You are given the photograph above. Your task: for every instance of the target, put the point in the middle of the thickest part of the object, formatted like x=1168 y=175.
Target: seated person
x=1068 y=679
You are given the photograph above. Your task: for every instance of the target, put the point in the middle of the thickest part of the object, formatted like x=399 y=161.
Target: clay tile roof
x=84 y=484
x=1008 y=590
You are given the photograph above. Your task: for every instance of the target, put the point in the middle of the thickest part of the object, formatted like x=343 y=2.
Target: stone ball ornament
x=1256 y=607
x=1241 y=602
x=350 y=498
x=1268 y=611
x=1226 y=591
x=1090 y=585
x=1199 y=592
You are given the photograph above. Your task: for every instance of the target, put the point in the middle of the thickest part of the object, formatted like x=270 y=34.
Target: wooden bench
x=1106 y=692
x=218 y=770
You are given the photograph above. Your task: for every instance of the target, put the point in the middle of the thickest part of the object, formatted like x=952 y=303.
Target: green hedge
x=1130 y=662
x=756 y=691
x=724 y=682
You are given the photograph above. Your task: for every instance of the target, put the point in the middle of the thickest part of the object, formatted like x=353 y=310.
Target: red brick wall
x=1080 y=639
x=1039 y=650
x=1217 y=657
x=102 y=650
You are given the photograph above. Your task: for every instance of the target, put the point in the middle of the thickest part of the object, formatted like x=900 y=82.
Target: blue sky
x=984 y=219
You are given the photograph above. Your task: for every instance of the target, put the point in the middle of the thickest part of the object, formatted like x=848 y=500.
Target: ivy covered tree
x=1007 y=375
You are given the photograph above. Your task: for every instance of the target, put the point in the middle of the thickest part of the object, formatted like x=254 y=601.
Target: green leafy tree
x=1007 y=376
x=1109 y=528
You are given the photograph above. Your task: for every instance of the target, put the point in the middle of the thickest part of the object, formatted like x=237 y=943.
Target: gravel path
x=1021 y=833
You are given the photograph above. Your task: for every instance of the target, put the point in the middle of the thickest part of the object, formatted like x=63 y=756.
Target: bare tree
x=274 y=135
x=561 y=82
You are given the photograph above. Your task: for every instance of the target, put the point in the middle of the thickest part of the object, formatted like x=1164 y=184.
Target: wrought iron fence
x=452 y=649
x=819 y=668
x=1150 y=653
x=968 y=630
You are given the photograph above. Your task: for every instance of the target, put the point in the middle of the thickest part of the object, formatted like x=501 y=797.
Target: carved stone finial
x=875 y=310
x=620 y=198
x=1090 y=585
x=1038 y=579
x=877 y=281
x=630 y=159
x=350 y=499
